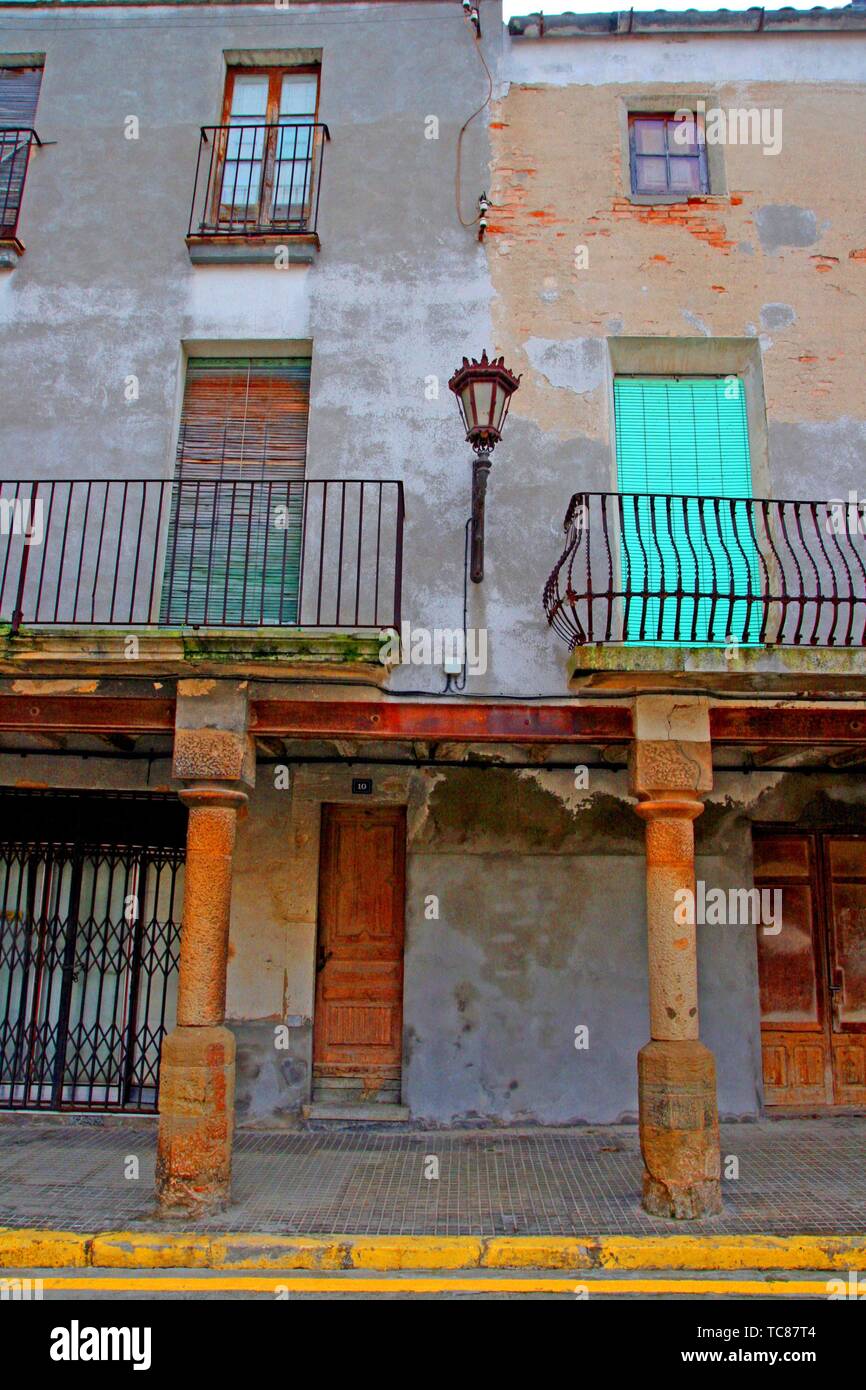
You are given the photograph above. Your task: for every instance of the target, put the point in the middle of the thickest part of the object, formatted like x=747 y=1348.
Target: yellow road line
x=413 y=1284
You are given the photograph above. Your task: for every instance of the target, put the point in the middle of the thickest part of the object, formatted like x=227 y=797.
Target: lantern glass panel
x=465 y=400
x=483 y=403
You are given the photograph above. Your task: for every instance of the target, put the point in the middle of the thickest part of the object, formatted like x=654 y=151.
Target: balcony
x=665 y=579
x=15 y=147
x=256 y=188
x=275 y=558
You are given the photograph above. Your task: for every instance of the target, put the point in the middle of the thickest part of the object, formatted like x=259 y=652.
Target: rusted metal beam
x=92 y=714
x=434 y=720
x=459 y=723
x=791 y=724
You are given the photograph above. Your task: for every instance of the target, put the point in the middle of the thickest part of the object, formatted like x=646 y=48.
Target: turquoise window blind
x=690 y=570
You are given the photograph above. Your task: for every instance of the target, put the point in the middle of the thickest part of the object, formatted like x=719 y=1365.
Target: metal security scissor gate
x=90 y=902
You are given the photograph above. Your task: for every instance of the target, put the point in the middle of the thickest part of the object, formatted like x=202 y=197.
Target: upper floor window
x=666 y=156
x=233 y=554
x=19 y=93
x=689 y=557
x=268 y=146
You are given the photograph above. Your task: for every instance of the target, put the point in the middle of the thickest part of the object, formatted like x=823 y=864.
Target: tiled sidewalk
x=795 y=1176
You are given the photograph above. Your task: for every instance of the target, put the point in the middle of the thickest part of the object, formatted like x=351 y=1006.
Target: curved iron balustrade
x=709 y=571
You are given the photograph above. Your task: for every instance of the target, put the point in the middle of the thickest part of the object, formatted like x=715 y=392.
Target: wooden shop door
x=357 y=1030
x=813 y=972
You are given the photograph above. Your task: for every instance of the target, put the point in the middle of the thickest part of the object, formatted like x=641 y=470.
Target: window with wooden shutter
x=686 y=437
x=19 y=93
x=233 y=551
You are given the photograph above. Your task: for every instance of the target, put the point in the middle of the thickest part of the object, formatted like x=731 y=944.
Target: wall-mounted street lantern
x=483 y=390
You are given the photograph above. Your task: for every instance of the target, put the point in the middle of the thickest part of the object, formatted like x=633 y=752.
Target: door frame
x=820 y=881
x=398 y=808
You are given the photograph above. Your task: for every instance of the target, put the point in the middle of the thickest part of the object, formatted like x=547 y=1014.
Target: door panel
x=789 y=979
x=794 y=1040
x=846 y=918
x=359 y=986
x=813 y=973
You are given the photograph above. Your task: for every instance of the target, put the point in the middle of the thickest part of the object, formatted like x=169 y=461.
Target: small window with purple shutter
x=668 y=156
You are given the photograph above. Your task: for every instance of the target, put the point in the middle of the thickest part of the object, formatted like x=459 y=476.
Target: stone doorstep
x=378 y=1112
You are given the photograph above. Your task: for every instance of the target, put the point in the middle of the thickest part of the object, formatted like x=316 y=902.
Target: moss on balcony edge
x=182 y=647
x=767 y=668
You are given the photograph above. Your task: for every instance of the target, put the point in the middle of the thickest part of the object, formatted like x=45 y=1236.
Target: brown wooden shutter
x=234 y=543
x=19 y=93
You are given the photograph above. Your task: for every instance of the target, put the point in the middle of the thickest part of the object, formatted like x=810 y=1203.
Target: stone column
x=671 y=768
x=215 y=757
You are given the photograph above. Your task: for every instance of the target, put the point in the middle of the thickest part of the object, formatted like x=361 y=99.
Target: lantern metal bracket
x=483 y=389
x=480 y=473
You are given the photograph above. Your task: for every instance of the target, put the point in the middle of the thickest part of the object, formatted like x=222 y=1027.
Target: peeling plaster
x=777 y=316
x=575 y=364
x=695 y=321
x=782 y=224
x=54 y=687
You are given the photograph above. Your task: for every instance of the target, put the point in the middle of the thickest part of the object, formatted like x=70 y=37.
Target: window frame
x=228 y=213
x=275 y=76
x=668 y=104
x=13 y=174
x=655 y=557
x=666 y=120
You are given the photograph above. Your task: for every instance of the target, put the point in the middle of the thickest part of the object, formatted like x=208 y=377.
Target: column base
x=196 y=1120
x=679 y=1130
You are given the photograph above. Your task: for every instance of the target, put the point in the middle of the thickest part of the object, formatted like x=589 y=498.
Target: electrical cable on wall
x=471 y=19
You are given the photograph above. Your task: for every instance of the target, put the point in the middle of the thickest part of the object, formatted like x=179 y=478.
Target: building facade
x=302 y=821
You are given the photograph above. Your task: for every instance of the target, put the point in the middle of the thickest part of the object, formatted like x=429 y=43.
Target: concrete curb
x=47 y=1249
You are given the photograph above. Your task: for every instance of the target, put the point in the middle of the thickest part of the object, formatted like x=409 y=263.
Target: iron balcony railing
x=201 y=552
x=15 y=147
x=258 y=180
x=681 y=570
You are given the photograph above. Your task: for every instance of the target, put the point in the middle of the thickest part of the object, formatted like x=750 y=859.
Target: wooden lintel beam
x=92 y=714
x=439 y=720
x=791 y=724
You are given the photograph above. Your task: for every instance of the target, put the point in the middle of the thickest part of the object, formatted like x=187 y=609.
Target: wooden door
x=358 y=1022
x=793 y=978
x=813 y=972
x=845 y=875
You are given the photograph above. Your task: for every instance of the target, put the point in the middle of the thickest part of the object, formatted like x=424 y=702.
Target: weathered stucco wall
x=397 y=294
x=540 y=930
x=782 y=255
x=779 y=257
x=400 y=290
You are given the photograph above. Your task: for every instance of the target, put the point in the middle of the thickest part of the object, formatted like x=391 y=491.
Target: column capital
x=219 y=796
x=660 y=769
x=671 y=753
x=212 y=742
